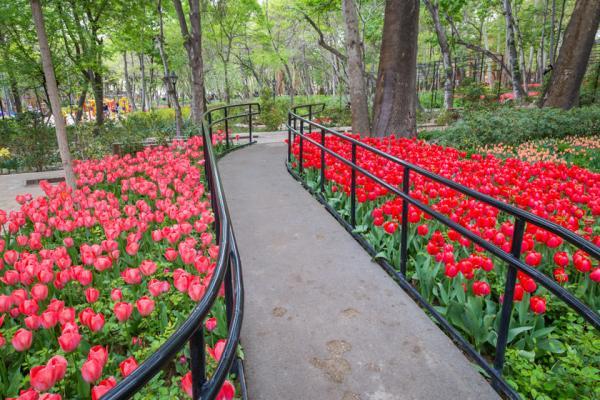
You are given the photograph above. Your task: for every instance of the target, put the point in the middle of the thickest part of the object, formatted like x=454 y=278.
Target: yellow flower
x=4 y=152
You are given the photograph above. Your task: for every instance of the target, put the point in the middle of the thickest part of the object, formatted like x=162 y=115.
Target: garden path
x=14 y=184
x=322 y=321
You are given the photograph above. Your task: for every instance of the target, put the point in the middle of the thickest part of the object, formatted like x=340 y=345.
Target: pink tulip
x=122 y=311
x=145 y=306
x=91 y=370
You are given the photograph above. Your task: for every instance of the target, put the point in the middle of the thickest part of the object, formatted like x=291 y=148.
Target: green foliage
x=31 y=142
x=570 y=375
x=514 y=126
x=273 y=110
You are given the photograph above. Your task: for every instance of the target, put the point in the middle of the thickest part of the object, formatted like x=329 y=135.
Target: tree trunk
x=433 y=8
x=356 y=70
x=227 y=88
x=560 y=22
x=98 y=89
x=59 y=121
x=394 y=107
x=570 y=67
x=552 y=23
x=143 y=75
x=170 y=85
x=80 y=103
x=14 y=88
x=192 y=39
x=513 y=60
x=542 y=59
x=128 y=87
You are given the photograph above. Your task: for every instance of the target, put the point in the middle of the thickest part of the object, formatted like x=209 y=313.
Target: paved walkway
x=12 y=185
x=322 y=321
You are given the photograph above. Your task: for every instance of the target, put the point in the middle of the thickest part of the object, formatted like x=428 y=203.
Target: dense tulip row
x=452 y=273
x=94 y=280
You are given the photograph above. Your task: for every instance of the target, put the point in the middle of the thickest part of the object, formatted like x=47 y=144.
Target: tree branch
x=475 y=47
x=321 y=41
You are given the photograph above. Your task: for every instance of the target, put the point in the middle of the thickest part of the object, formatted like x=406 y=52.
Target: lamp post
x=171 y=82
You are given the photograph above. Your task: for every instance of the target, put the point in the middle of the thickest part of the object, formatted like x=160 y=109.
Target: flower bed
x=552 y=352
x=94 y=281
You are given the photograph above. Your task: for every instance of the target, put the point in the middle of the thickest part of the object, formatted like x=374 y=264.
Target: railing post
x=310 y=112
x=301 y=166
x=289 y=124
x=353 y=188
x=250 y=122
x=197 y=361
x=209 y=116
x=509 y=290
x=404 y=232
x=228 y=291
x=322 y=160
x=226 y=128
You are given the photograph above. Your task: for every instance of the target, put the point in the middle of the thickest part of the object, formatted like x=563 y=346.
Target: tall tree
x=570 y=67
x=356 y=69
x=513 y=60
x=433 y=6
x=394 y=107
x=192 y=41
x=59 y=121
x=169 y=83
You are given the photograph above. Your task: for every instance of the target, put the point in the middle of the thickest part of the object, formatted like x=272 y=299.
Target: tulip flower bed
x=94 y=281
x=552 y=352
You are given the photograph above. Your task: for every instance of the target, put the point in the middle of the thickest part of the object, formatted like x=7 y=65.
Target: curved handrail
x=310 y=107
x=512 y=259
x=226 y=118
x=228 y=272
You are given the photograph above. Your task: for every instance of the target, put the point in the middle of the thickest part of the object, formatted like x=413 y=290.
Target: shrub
x=31 y=142
x=514 y=126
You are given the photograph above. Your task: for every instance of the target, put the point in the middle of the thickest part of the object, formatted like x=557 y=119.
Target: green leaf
x=551 y=345
x=514 y=332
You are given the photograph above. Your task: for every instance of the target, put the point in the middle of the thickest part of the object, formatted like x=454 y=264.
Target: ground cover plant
x=94 y=280
x=514 y=126
x=552 y=352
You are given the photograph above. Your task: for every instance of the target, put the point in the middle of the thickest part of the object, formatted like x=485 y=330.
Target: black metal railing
x=228 y=272
x=211 y=120
x=512 y=259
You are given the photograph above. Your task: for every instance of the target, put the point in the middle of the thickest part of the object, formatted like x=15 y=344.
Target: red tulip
x=59 y=367
x=103 y=387
x=145 y=306
x=69 y=341
x=127 y=366
x=39 y=292
x=390 y=227
x=481 y=288
x=92 y=295
x=537 y=304
x=186 y=384
x=148 y=267
x=533 y=258
x=96 y=322
x=132 y=276
x=102 y=263
x=116 y=295
x=171 y=254
x=49 y=319
x=50 y=396
x=91 y=370
x=595 y=275
x=227 y=391
x=22 y=339
x=210 y=324
x=41 y=378
x=122 y=311
x=99 y=353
